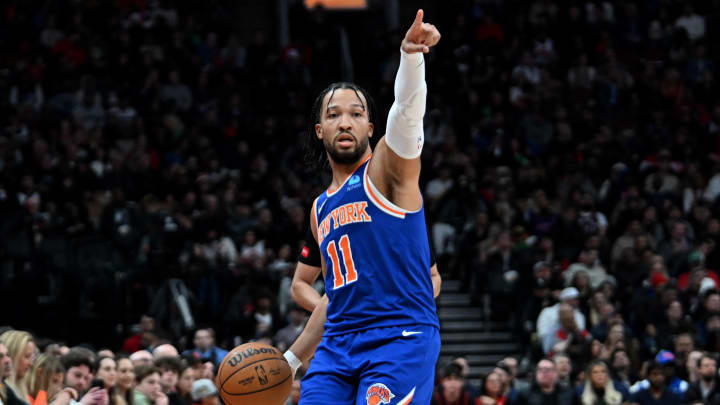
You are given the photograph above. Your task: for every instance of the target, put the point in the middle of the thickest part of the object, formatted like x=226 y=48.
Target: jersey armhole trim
x=381 y=202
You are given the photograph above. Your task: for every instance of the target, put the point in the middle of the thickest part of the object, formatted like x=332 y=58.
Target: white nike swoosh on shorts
x=406 y=333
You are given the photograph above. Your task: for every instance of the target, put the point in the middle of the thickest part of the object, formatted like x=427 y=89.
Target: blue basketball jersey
x=377 y=259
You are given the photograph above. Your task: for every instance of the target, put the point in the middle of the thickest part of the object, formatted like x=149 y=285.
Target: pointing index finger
x=418 y=19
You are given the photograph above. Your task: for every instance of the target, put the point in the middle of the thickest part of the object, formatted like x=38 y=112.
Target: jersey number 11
x=351 y=275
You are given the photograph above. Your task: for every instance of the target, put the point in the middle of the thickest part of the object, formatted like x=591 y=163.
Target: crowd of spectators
x=572 y=156
x=44 y=372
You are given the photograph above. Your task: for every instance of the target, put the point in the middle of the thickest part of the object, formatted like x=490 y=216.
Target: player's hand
x=421 y=36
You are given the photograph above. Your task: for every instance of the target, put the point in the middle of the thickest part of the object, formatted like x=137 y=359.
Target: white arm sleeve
x=404 y=125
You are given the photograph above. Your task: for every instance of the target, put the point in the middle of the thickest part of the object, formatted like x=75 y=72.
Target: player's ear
x=371 y=129
x=318 y=131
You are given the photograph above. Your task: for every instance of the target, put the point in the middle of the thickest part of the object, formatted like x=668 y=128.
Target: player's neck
x=342 y=171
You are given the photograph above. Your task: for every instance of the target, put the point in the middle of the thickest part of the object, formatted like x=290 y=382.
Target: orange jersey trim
x=331 y=192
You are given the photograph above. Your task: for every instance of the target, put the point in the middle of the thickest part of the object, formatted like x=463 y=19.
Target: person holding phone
x=106 y=378
x=79 y=367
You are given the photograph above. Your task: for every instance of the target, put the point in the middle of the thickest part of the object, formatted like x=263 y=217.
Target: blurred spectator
x=589 y=264
x=502 y=269
x=147 y=388
x=568 y=338
x=493 y=391
x=600 y=388
x=204 y=392
x=549 y=321
x=183 y=391
x=169 y=368
x=691 y=366
x=5 y=362
x=141 y=358
x=21 y=349
x=107 y=373
x=78 y=371
x=693 y=24
x=504 y=375
x=135 y=342
x=564 y=370
x=545 y=390
x=465 y=371
x=46 y=379
x=656 y=391
x=205 y=347
x=7 y=395
x=515 y=384
x=287 y=335
x=105 y=353
x=176 y=92
x=452 y=389
x=706 y=390
x=665 y=361
x=621 y=369
x=125 y=381
x=165 y=350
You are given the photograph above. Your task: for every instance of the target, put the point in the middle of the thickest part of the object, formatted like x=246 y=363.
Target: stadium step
x=475 y=360
x=460 y=313
x=480 y=337
x=471 y=326
x=451 y=286
x=454 y=299
x=464 y=331
x=463 y=349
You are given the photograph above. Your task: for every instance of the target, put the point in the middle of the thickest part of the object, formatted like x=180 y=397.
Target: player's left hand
x=421 y=36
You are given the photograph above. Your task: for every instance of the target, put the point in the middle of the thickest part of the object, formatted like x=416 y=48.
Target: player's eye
x=332 y=115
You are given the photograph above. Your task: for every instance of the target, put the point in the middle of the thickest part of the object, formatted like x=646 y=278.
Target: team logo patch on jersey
x=378 y=394
x=354 y=180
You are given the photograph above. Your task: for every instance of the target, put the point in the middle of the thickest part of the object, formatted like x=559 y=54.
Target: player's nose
x=345 y=122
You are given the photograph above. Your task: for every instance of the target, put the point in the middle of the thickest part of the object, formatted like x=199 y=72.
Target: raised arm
x=395 y=168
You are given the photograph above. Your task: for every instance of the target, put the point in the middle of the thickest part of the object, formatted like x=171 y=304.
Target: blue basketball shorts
x=394 y=365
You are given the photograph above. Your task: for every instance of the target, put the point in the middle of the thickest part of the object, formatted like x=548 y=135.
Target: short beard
x=352 y=156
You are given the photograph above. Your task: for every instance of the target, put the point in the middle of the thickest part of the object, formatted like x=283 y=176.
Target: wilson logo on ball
x=238 y=358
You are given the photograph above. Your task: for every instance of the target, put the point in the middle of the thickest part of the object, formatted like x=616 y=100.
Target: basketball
x=254 y=373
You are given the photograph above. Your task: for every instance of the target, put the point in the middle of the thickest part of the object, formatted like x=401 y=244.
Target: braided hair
x=315 y=154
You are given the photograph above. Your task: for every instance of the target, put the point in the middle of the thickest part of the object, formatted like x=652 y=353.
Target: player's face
x=344 y=126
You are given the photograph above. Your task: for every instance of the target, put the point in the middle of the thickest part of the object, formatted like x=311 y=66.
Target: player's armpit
x=302 y=290
x=305 y=345
x=436 y=280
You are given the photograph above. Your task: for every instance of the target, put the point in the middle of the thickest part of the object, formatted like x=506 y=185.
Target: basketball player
x=309 y=267
x=377 y=321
